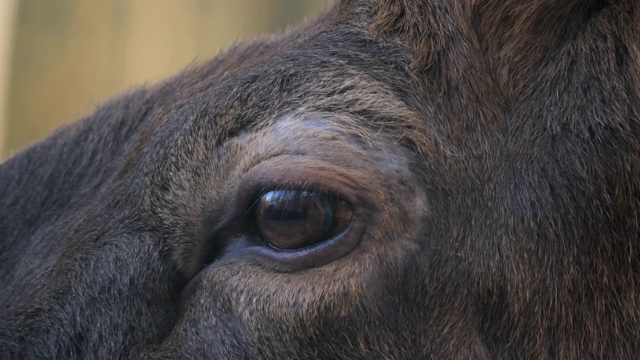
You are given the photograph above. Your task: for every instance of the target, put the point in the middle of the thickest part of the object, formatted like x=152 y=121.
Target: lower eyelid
x=314 y=256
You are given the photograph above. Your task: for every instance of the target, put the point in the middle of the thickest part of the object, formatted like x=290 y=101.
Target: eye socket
x=294 y=219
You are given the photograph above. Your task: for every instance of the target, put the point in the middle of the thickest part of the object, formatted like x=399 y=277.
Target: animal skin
x=395 y=179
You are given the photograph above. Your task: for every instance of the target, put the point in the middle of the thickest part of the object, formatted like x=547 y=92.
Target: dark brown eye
x=293 y=219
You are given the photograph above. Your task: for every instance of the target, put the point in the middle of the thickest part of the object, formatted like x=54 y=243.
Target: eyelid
x=304 y=173
x=313 y=256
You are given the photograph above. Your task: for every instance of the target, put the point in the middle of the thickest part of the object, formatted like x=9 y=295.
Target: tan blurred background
x=60 y=58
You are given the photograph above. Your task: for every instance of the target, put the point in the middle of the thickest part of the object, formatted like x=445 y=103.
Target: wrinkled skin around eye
x=293 y=219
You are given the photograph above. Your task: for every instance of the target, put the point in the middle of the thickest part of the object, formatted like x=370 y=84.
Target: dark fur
x=492 y=148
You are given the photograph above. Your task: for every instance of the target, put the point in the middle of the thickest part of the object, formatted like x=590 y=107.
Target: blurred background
x=61 y=58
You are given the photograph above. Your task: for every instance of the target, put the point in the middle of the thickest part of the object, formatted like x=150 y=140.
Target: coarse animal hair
x=487 y=153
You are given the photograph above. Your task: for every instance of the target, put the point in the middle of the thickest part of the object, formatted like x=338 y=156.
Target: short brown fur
x=490 y=150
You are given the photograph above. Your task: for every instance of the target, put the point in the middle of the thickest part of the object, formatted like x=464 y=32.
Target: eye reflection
x=293 y=219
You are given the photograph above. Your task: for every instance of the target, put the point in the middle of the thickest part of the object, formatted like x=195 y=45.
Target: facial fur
x=488 y=149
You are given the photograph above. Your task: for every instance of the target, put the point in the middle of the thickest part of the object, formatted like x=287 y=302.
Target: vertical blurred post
x=7 y=25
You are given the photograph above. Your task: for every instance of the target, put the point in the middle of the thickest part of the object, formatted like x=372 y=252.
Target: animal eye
x=294 y=219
